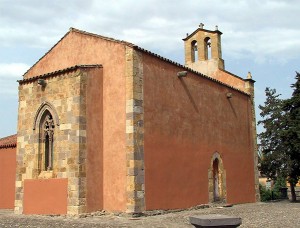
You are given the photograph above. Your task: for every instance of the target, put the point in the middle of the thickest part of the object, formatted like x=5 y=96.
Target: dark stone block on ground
x=215 y=220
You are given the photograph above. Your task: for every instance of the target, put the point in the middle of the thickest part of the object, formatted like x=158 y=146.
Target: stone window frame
x=45 y=120
x=221 y=177
x=46 y=140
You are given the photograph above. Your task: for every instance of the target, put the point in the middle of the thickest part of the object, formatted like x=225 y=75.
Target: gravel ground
x=275 y=214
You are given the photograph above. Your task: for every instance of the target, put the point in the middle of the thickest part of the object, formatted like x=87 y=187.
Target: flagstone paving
x=275 y=214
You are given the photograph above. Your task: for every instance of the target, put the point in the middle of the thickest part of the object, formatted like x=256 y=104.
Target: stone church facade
x=106 y=125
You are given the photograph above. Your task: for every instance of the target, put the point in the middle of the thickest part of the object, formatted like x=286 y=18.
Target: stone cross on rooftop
x=249 y=76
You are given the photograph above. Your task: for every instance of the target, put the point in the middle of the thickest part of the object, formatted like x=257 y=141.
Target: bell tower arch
x=208 y=50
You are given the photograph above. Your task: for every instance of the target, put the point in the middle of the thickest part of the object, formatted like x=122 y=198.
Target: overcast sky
x=258 y=36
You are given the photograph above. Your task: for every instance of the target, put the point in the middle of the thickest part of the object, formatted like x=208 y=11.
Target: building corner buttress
x=135 y=184
x=249 y=86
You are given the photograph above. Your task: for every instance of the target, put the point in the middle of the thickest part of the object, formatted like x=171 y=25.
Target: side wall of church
x=77 y=48
x=7 y=177
x=66 y=94
x=186 y=122
x=94 y=134
x=229 y=79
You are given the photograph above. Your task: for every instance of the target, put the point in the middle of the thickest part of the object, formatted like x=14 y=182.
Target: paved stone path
x=276 y=214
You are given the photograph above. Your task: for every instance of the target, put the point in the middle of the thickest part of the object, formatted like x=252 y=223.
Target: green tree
x=291 y=135
x=279 y=147
x=273 y=161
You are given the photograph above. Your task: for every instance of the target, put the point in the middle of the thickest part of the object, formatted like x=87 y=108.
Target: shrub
x=265 y=194
x=279 y=183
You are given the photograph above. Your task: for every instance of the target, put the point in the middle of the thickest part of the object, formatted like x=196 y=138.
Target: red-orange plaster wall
x=186 y=121
x=77 y=49
x=7 y=177
x=94 y=129
x=50 y=196
x=229 y=79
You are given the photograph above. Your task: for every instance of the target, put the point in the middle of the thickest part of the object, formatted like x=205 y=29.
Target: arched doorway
x=217 y=180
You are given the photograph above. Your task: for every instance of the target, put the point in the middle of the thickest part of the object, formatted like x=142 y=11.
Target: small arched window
x=194 y=51
x=207 y=43
x=216 y=180
x=46 y=135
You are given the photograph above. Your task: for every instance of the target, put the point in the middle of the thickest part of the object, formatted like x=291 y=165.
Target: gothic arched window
x=46 y=135
x=44 y=124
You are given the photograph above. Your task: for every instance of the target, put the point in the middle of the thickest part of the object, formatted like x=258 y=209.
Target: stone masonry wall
x=66 y=94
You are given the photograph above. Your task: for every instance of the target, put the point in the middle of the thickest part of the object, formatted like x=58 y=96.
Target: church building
x=104 y=124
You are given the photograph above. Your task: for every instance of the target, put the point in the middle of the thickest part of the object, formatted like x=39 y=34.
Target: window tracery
x=45 y=121
x=47 y=138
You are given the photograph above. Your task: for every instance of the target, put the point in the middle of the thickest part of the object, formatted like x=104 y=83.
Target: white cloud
x=278 y=45
x=252 y=28
x=262 y=33
x=13 y=70
x=9 y=74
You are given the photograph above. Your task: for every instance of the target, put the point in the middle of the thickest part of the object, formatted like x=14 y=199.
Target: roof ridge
x=46 y=53
x=72 y=29
x=100 y=36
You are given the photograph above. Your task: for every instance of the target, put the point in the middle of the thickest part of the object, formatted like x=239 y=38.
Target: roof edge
x=46 y=53
x=193 y=71
x=127 y=44
x=200 y=29
x=9 y=144
x=234 y=75
x=57 y=72
x=71 y=29
x=101 y=37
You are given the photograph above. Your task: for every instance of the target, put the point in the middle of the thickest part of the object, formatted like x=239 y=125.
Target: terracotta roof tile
x=9 y=141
